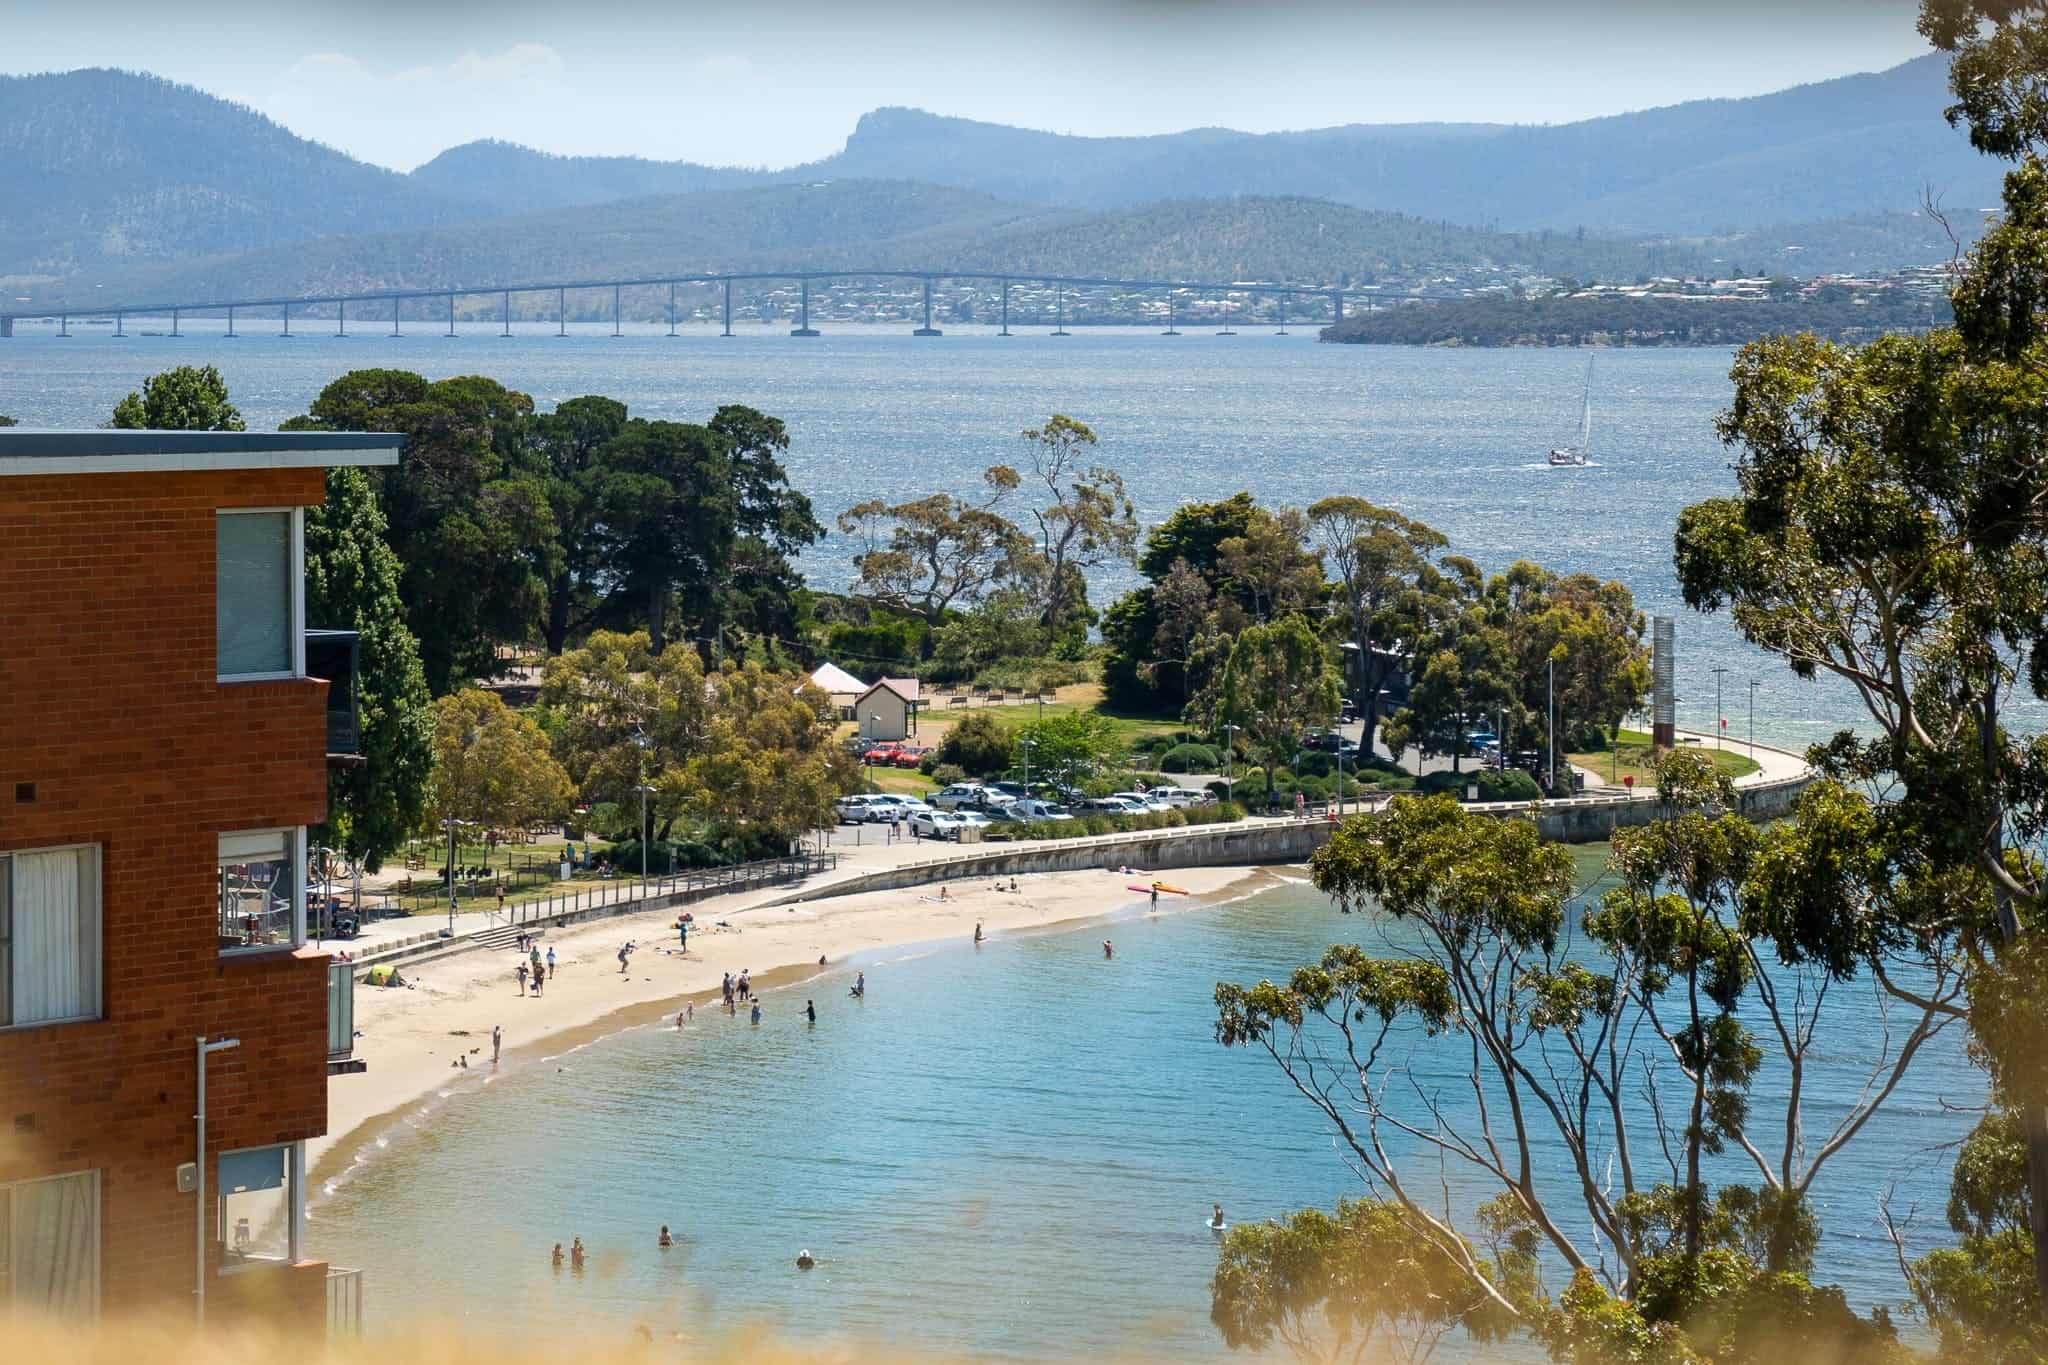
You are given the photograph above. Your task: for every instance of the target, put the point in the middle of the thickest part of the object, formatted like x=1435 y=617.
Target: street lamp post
x=452 y=825
x=1550 y=720
x=1230 y=760
x=1720 y=719
x=1027 y=744
x=643 y=789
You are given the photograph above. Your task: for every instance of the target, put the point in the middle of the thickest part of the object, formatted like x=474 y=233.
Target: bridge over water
x=378 y=305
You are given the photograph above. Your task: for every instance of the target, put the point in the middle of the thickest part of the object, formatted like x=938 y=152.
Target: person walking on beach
x=521 y=974
x=497 y=1042
x=625 y=951
x=682 y=935
x=540 y=976
x=551 y=957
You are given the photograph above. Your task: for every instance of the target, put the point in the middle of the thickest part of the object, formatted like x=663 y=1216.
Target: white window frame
x=297 y=570
x=13 y=1268
x=295 y=1215
x=295 y=852
x=95 y=909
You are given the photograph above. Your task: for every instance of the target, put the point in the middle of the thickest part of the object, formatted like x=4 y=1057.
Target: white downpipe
x=199 y=1211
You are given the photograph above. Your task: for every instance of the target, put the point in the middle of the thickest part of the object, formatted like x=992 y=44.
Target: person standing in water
x=497 y=1042
x=757 y=1012
x=810 y=1012
x=1108 y=948
x=977 y=932
x=557 y=1258
x=576 y=1253
x=1216 y=1217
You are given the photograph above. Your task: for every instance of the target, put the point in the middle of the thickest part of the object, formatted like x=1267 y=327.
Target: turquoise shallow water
x=1456 y=437
x=1008 y=1151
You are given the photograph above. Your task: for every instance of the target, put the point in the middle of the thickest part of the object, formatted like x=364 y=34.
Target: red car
x=882 y=754
x=910 y=755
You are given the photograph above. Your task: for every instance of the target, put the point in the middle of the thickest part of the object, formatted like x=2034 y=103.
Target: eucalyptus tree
x=1605 y=1053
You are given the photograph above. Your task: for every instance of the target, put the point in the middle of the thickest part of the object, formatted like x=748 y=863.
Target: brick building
x=162 y=751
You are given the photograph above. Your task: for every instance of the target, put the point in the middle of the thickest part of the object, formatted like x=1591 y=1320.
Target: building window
x=49 y=935
x=262 y=889
x=50 y=1246
x=259 y=1205
x=259 y=594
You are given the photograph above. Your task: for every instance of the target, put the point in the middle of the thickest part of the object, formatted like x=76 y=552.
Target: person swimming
x=557 y=1258
x=667 y=1241
x=804 y=1259
x=1216 y=1218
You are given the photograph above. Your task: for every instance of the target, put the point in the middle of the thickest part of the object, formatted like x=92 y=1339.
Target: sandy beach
x=416 y=1038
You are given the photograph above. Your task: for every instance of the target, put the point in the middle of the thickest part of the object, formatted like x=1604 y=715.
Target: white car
x=1118 y=805
x=935 y=824
x=1176 y=796
x=1147 y=801
x=880 y=808
x=852 y=809
x=970 y=794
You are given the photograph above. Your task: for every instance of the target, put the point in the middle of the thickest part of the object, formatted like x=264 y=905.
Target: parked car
x=852 y=809
x=1016 y=791
x=910 y=755
x=935 y=824
x=971 y=796
x=881 y=755
x=1117 y=805
x=1177 y=796
x=882 y=805
x=1033 y=809
x=976 y=818
x=1145 y=800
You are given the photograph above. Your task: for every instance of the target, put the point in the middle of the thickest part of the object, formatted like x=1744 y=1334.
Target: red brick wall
x=108 y=704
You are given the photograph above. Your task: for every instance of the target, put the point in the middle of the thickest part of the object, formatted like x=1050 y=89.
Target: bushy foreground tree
x=1611 y=1053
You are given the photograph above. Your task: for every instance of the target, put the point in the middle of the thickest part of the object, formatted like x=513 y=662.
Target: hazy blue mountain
x=1858 y=145
x=100 y=167
x=508 y=178
x=867 y=224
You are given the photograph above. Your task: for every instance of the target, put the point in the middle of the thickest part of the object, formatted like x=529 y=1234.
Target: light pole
x=1229 y=760
x=1550 y=720
x=1720 y=720
x=640 y=740
x=452 y=825
x=1027 y=744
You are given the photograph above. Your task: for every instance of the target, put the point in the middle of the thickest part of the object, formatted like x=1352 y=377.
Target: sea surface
x=1007 y=1151
x=1456 y=437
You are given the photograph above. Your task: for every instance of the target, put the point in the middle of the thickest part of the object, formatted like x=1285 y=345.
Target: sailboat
x=1572 y=456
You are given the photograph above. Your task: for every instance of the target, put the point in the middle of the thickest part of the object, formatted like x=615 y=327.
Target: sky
x=768 y=83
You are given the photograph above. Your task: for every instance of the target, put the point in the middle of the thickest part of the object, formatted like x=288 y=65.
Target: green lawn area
x=902 y=781
x=1129 y=730
x=1631 y=758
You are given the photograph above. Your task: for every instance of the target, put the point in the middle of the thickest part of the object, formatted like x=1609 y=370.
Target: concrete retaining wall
x=1247 y=843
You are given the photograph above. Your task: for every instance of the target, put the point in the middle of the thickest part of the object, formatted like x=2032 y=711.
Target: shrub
x=945 y=774
x=1512 y=785
x=980 y=744
x=1189 y=758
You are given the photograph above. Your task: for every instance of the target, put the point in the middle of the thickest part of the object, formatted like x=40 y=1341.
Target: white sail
x=1586 y=412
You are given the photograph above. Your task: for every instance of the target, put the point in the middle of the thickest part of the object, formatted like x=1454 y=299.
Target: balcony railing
x=341 y=1019
x=331 y=654
x=344 y=1302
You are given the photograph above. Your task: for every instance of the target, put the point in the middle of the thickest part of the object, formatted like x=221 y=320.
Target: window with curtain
x=254 y=1202
x=256 y=594
x=49 y=936
x=50 y=1245
x=262 y=889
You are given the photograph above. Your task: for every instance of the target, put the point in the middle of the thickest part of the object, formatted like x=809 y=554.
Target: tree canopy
x=187 y=398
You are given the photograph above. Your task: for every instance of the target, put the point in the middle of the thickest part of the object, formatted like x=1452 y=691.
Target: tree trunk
x=657 y=617
x=558 y=613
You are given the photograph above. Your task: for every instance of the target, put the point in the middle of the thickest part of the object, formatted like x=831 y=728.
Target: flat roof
x=28 y=450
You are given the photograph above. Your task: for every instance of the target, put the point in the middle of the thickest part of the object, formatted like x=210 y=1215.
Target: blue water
x=1455 y=437
x=1008 y=1151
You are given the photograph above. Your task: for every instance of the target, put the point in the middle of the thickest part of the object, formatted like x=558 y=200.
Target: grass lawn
x=934 y=723
x=902 y=781
x=1631 y=758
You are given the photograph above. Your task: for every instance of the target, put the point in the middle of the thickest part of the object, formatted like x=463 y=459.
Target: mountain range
x=117 y=179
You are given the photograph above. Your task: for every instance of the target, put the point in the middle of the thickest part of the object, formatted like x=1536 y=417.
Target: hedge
x=1189 y=758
